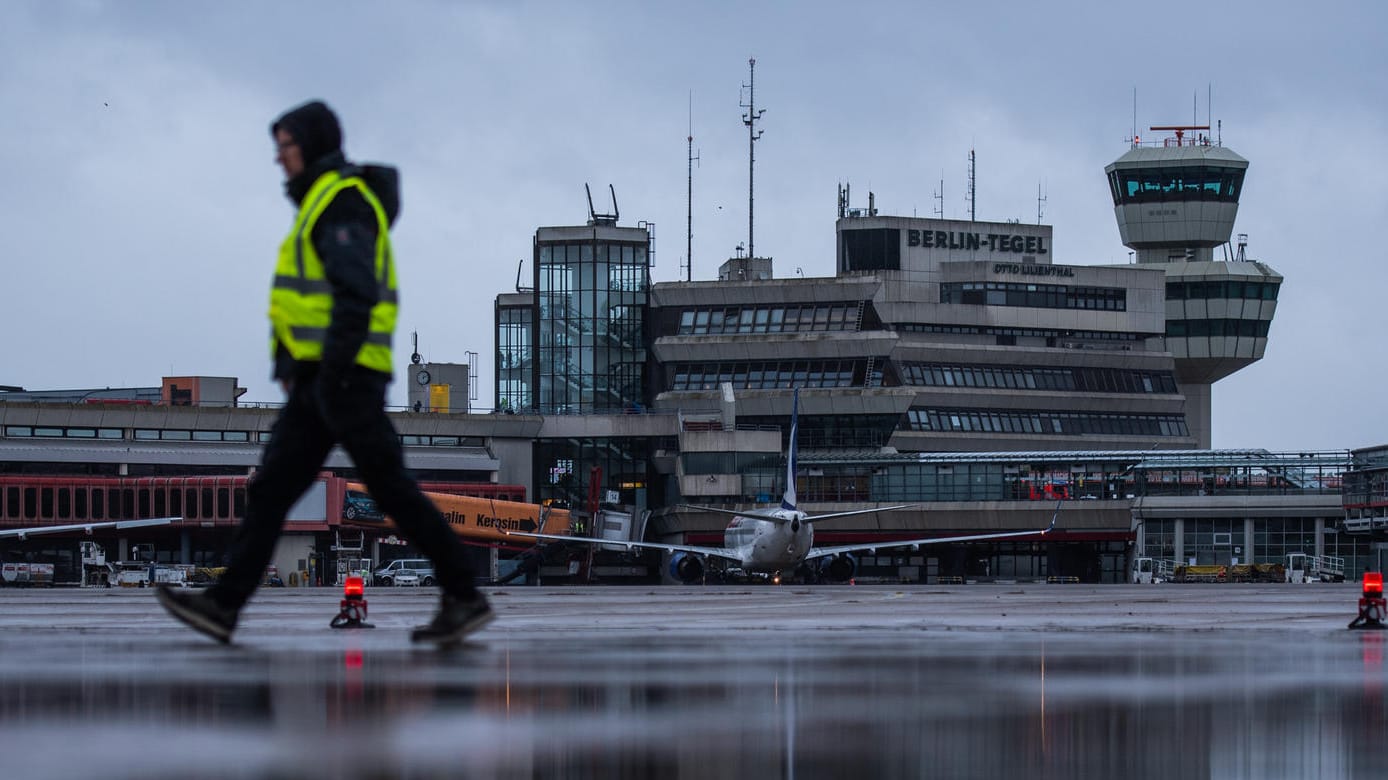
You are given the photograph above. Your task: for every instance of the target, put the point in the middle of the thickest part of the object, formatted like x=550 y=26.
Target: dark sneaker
x=199 y=612
x=456 y=619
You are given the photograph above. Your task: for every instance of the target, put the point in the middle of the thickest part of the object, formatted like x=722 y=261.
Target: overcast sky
x=143 y=209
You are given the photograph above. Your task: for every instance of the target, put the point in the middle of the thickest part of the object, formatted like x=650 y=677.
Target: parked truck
x=1314 y=568
x=1147 y=571
x=477 y=519
x=25 y=575
x=1237 y=572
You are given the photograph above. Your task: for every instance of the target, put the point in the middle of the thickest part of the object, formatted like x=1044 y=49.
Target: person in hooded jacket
x=332 y=314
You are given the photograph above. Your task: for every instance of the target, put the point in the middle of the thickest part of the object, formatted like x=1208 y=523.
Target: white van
x=420 y=567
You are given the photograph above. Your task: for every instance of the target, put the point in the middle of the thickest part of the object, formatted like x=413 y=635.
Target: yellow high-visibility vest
x=301 y=300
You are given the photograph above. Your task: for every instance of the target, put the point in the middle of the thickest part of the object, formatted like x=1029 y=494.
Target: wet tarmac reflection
x=829 y=704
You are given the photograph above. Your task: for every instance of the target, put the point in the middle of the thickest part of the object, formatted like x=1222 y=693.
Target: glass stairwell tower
x=591 y=284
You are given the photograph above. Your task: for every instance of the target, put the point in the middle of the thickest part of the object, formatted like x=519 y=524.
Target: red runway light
x=1373 y=584
x=352 y=610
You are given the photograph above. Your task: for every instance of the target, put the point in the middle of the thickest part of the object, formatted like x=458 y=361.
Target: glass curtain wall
x=514 y=392
x=591 y=298
x=565 y=470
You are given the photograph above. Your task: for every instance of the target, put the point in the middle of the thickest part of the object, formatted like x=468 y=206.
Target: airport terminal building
x=961 y=366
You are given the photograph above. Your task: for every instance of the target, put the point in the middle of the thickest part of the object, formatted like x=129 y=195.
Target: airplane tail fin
x=788 y=500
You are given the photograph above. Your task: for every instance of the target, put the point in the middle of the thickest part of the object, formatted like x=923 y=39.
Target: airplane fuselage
x=768 y=546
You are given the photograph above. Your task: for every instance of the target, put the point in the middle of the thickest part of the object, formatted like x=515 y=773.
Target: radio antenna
x=973 y=194
x=1209 y=103
x=689 y=199
x=750 y=119
x=1134 y=135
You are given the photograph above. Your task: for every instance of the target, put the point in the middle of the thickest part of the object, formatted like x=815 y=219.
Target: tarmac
x=984 y=680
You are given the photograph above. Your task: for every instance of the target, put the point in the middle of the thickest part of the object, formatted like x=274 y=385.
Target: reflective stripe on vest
x=301 y=296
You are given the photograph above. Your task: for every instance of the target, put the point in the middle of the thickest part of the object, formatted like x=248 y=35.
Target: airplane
x=120 y=525
x=779 y=540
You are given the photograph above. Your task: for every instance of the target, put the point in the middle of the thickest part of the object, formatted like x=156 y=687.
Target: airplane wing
x=120 y=525
x=713 y=552
x=822 y=552
x=817 y=518
x=760 y=514
x=770 y=515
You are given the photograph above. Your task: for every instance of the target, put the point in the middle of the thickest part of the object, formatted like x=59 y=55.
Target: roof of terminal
x=1140 y=459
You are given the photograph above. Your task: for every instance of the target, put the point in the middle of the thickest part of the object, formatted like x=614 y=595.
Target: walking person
x=332 y=314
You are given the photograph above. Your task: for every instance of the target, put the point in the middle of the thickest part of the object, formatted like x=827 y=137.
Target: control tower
x=1175 y=200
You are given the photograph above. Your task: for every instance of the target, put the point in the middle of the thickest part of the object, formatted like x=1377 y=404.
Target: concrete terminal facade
x=956 y=364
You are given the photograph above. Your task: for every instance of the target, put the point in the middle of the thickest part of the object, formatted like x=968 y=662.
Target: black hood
x=384 y=182
x=314 y=127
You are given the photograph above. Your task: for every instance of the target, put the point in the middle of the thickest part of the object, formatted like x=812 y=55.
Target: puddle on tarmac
x=832 y=705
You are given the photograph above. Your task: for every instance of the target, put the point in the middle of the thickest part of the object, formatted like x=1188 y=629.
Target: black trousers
x=317 y=416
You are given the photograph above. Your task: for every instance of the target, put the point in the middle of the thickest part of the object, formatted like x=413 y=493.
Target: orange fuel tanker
x=480 y=519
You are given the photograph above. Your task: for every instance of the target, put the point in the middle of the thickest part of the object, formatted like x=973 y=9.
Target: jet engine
x=686 y=568
x=838 y=568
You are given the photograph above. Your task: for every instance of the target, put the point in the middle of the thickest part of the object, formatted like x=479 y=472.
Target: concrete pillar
x=727 y=406
x=1178 y=533
x=1198 y=412
x=1320 y=536
x=1247 y=540
x=185 y=546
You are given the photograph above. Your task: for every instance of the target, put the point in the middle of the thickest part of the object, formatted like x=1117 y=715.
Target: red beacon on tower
x=1372 y=607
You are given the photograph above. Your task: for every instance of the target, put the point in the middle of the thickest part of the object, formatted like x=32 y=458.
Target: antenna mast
x=973 y=195
x=750 y=119
x=689 y=199
x=940 y=197
x=1209 y=103
x=1040 y=203
x=1133 y=137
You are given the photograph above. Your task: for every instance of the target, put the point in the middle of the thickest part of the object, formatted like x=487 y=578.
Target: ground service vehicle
x=1314 y=568
x=421 y=568
x=26 y=574
x=1146 y=571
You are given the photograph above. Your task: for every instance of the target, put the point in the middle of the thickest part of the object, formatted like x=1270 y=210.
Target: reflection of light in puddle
x=1184 y=704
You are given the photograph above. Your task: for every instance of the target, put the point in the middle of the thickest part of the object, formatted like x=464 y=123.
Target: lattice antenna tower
x=1040 y=203
x=940 y=198
x=689 y=199
x=750 y=119
x=973 y=179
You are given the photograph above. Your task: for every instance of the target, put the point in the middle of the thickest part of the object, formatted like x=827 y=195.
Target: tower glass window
x=590 y=297
x=514 y=391
x=1174 y=183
